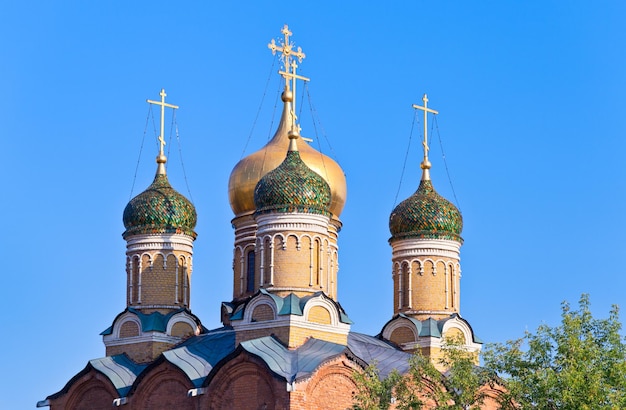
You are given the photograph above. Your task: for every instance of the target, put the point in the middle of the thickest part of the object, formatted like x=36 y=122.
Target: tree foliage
x=373 y=391
x=459 y=388
x=578 y=365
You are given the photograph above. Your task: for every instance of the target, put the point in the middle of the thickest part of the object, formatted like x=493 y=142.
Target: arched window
x=250 y=272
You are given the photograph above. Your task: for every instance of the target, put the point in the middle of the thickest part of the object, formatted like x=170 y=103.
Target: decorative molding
x=399 y=323
x=145 y=337
x=429 y=312
x=141 y=307
x=430 y=247
x=323 y=303
x=268 y=223
x=256 y=302
x=176 y=242
x=291 y=289
x=183 y=317
x=293 y=321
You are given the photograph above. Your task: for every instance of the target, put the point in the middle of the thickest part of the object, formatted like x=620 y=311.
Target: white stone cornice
x=312 y=289
x=293 y=321
x=141 y=307
x=269 y=223
x=249 y=237
x=430 y=312
x=419 y=243
x=110 y=340
x=146 y=242
x=430 y=247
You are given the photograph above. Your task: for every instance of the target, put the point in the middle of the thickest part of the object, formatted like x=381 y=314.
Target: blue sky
x=531 y=97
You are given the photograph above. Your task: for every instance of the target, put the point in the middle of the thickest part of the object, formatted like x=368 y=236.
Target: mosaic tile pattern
x=292 y=187
x=159 y=209
x=426 y=214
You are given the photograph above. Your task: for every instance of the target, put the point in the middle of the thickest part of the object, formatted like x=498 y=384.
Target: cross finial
x=425 y=165
x=161 y=159
x=286 y=49
x=289 y=62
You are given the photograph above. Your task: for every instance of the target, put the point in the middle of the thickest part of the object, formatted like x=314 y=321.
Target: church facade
x=286 y=342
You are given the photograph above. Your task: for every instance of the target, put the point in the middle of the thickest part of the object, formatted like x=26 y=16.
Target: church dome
x=159 y=209
x=292 y=187
x=426 y=214
x=249 y=171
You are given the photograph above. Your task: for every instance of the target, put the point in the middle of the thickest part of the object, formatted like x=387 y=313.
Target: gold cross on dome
x=287 y=47
x=425 y=163
x=163 y=104
x=287 y=52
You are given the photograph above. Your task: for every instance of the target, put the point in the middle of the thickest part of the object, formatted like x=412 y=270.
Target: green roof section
x=200 y=358
x=197 y=356
x=291 y=304
x=159 y=209
x=426 y=214
x=150 y=322
x=292 y=187
x=292 y=364
x=120 y=370
x=431 y=327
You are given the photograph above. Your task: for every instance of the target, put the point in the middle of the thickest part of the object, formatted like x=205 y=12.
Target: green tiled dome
x=426 y=214
x=292 y=187
x=159 y=209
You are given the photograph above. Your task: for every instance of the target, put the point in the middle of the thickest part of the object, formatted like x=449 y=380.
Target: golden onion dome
x=249 y=171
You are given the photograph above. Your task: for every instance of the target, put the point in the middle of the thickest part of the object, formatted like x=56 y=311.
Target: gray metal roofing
x=373 y=350
x=198 y=356
x=120 y=370
x=292 y=364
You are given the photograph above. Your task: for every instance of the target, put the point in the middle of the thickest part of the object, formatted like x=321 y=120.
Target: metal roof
x=373 y=350
x=292 y=364
x=197 y=356
x=120 y=370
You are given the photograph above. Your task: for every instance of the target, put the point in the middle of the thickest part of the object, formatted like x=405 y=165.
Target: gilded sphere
x=249 y=171
x=426 y=214
x=287 y=96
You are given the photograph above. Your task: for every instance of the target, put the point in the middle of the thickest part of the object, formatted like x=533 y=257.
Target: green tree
x=578 y=365
x=459 y=388
x=373 y=391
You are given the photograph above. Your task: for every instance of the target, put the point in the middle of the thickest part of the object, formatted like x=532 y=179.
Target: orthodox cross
x=425 y=163
x=163 y=104
x=290 y=67
x=287 y=52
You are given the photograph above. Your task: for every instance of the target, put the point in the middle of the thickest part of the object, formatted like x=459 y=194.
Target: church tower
x=425 y=240
x=159 y=238
x=287 y=198
x=252 y=255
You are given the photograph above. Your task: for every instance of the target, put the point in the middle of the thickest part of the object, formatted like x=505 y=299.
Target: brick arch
x=262 y=313
x=129 y=328
x=402 y=334
x=331 y=386
x=244 y=383
x=92 y=391
x=319 y=314
x=182 y=329
x=164 y=387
